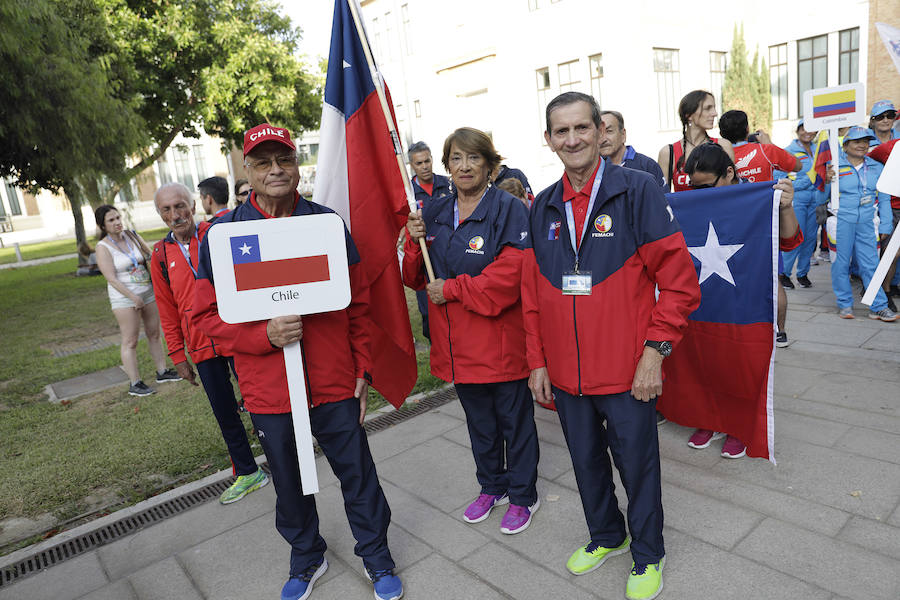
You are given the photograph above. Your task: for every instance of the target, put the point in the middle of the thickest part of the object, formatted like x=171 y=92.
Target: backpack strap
x=159 y=248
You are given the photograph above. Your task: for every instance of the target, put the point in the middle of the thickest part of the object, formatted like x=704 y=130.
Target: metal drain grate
x=90 y=541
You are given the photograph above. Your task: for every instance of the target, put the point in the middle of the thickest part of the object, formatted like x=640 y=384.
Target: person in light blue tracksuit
x=859 y=201
x=806 y=198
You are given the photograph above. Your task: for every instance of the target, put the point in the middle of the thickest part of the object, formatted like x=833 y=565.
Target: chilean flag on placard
x=721 y=375
x=358 y=177
x=251 y=272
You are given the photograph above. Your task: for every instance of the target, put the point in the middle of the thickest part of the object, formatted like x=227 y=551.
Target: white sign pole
x=296 y=379
x=835 y=165
x=881 y=272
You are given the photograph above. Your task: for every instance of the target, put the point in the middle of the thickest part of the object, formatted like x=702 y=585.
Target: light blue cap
x=857 y=133
x=882 y=106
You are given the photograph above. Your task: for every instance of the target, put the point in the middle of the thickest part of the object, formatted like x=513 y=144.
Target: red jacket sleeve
x=534 y=344
x=169 y=315
x=413 y=266
x=360 y=323
x=788 y=244
x=495 y=289
x=782 y=159
x=251 y=337
x=669 y=265
x=881 y=152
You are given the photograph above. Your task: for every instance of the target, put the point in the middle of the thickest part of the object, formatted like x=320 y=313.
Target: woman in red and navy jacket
x=477 y=238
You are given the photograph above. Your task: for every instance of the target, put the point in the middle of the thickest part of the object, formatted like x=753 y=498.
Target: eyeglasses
x=890 y=114
x=262 y=165
x=244 y=194
x=703 y=186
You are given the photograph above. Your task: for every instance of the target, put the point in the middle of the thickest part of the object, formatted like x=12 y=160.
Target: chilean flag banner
x=251 y=272
x=358 y=177
x=721 y=375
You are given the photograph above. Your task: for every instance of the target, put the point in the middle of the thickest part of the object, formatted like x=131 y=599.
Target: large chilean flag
x=357 y=176
x=721 y=374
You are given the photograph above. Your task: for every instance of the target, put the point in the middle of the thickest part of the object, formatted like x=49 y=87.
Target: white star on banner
x=346 y=65
x=245 y=249
x=714 y=257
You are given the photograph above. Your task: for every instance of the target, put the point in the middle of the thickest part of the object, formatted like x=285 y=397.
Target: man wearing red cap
x=336 y=352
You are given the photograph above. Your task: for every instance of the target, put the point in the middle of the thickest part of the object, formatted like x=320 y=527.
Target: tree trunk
x=73 y=194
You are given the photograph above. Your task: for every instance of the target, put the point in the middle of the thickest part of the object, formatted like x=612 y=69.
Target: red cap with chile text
x=266 y=133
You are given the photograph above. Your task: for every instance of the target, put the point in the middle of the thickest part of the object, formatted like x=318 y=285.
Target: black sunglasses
x=703 y=186
x=890 y=114
x=243 y=193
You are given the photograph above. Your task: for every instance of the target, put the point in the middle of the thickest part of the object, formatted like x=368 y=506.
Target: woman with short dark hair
x=477 y=239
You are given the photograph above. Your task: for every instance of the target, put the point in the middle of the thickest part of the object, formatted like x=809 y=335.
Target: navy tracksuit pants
x=217 y=384
x=336 y=427
x=630 y=434
x=500 y=418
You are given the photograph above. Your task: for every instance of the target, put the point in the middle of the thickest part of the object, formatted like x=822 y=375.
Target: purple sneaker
x=479 y=510
x=518 y=518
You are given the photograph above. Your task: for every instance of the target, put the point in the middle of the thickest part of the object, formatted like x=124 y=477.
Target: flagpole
x=395 y=138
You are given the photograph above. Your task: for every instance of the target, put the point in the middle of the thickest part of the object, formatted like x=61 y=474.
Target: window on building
x=127 y=192
x=199 y=161
x=849 y=56
x=12 y=196
x=165 y=169
x=668 y=82
x=778 y=80
x=376 y=38
x=418 y=108
x=183 y=167
x=533 y=4
x=388 y=37
x=407 y=31
x=568 y=76
x=717 y=66
x=812 y=66
x=2 y=208
x=543 y=95
x=595 y=63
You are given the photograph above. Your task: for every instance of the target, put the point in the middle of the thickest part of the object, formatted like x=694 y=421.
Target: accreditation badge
x=576 y=284
x=140 y=275
x=865 y=200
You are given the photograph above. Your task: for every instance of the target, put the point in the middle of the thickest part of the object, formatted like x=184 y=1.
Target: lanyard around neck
x=130 y=254
x=570 y=215
x=186 y=250
x=456 y=208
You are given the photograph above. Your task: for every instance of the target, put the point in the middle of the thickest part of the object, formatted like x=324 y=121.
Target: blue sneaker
x=299 y=586
x=387 y=585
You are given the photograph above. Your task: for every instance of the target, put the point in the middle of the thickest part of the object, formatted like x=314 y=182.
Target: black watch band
x=664 y=348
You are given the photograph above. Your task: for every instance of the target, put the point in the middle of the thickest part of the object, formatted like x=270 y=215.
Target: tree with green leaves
x=746 y=84
x=93 y=92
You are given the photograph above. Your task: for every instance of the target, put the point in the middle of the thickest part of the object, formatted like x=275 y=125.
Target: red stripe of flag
x=287 y=271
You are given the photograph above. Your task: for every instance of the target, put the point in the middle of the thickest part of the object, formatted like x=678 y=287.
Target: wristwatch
x=664 y=348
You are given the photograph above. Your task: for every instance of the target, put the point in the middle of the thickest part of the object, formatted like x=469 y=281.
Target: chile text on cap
x=266 y=133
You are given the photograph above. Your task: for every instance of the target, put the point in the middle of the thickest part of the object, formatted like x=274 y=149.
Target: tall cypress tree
x=746 y=84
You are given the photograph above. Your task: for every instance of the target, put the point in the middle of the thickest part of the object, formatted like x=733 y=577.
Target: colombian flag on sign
x=835 y=103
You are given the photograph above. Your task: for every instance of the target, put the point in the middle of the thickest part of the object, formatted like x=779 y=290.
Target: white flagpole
x=398 y=147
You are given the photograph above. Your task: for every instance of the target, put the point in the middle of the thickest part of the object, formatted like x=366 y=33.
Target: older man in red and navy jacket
x=603 y=241
x=337 y=355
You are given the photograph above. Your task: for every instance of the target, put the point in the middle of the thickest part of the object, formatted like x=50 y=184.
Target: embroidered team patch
x=553 y=234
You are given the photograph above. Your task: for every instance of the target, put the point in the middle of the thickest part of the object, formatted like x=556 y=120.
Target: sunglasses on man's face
x=891 y=114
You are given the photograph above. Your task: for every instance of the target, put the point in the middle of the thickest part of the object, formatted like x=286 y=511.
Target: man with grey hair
x=613 y=148
x=173 y=270
x=427 y=187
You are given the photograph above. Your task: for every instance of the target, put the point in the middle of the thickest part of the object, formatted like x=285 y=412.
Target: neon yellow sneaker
x=243 y=485
x=644 y=581
x=586 y=559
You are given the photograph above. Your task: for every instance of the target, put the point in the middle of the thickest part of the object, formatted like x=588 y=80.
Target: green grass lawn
x=58 y=247
x=104 y=448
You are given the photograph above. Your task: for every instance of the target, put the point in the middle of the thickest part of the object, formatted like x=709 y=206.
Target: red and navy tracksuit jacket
x=478 y=335
x=335 y=344
x=440 y=187
x=173 y=285
x=592 y=344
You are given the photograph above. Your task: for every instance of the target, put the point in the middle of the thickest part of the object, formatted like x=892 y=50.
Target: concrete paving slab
x=164 y=580
x=861 y=323
x=694 y=567
x=551 y=432
x=459 y=435
x=452 y=409
x=877 y=444
x=825 y=476
x=395 y=440
x=436 y=576
x=545 y=414
x=65 y=581
x=417 y=471
x=852 y=391
x=792 y=380
x=804 y=513
x=808 y=429
x=874 y=535
x=520 y=578
x=673 y=440
x=794 y=316
x=449 y=533
x=830 y=412
x=70 y=389
x=118 y=590
x=169 y=537
x=886 y=339
x=333 y=526
x=895 y=518
x=844 y=351
x=837 y=334
x=819 y=361
x=554 y=461
x=347 y=585
x=835 y=565
x=717 y=522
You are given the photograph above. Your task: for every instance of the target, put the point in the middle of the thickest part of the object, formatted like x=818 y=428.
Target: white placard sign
x=279 y=267
x=888 y=183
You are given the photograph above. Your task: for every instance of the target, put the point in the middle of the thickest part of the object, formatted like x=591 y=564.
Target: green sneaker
x=645 y=581
x=586 y=559
x=243 y=485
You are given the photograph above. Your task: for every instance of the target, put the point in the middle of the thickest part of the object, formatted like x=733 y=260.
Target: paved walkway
x=822 y=525
x=37 y=261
